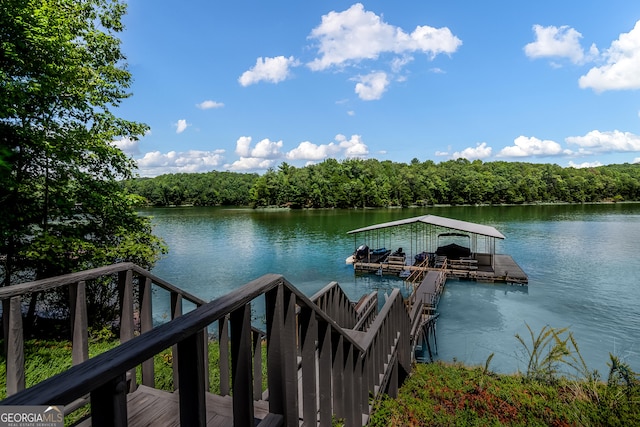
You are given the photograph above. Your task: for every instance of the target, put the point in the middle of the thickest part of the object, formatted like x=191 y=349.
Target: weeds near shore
x=454 y=394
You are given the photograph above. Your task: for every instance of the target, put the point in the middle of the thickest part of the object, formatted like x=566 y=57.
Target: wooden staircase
x=326 y=357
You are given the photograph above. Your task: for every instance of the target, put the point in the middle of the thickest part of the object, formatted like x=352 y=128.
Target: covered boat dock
x=465 y=250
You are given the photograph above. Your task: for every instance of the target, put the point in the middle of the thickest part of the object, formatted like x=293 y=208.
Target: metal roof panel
x=455 y=224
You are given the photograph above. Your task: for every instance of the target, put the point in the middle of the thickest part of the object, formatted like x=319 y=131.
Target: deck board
x=151 y=407
x=458 y=269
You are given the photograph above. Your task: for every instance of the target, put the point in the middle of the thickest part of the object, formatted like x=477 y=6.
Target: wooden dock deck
x=505 y=270
x=430 y=288
x=148 y=406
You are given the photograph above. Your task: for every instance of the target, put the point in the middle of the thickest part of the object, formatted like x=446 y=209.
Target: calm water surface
x=582 y=262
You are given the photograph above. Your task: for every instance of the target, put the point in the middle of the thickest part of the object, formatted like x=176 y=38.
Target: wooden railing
x=417 y=275
x=336 y=304
x=12 y=300
x=303 y=345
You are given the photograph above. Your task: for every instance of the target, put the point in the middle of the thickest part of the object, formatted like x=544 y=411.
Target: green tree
x=63 y=207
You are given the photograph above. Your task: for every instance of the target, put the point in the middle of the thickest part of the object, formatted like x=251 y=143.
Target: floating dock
x=439 y=249
x=475 y=259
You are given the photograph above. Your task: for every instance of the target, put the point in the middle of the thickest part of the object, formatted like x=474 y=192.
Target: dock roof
x=454 y=224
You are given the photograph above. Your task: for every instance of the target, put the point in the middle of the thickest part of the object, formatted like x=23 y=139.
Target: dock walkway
x=430 y=289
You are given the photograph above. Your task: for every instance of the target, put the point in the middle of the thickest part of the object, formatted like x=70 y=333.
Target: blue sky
x=246 y=85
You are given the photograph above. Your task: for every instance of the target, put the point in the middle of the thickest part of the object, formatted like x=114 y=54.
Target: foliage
x=444 y=394
x=373 y=183
x=434 y=394
x=197 y=189
x=46 y=358
x=550 y=351
x=63 y=207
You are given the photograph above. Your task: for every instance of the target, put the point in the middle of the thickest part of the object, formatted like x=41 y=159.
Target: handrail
x=332 y=300
x=94 y=273
x=356 y=360
x=81 y=379
x=11 y=297
x=367 y=311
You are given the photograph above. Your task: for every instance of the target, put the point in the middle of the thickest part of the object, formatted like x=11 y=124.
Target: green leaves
x=550 y=351
x=62 y=73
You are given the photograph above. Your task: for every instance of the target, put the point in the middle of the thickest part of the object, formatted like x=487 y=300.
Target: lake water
x=582 y=261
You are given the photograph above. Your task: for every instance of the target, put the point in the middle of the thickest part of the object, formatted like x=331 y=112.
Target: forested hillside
x=199 y=189
x=374 y=183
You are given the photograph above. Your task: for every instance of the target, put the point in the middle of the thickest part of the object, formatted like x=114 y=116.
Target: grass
x=441 y=394
x=438 y=394
x=46 y=358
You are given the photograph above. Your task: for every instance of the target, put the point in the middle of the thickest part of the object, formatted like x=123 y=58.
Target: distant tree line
x=198 y=189
x=373 y=183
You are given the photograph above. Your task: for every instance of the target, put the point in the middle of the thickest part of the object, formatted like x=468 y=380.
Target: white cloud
x=309 y=151
x=128 y=146
x=273 y=70
x=585 y=165
x=622 y=65
x=250 y=163
x=156 y=163
x=525 y=146
x=355 y=34
x=351 y=113
x=371 y=86
x=349 y=148
x=480 y=151
x=441 y=153
x=243 y=146
x=556 y=42
x=208 y=104
x=353 y=147
x=600 y=142
x=636 y=160
x=398 y=64
x=262 y=156
x=181 y=126
x=265 y=149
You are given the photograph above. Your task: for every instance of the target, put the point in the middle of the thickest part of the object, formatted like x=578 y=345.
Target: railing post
x=15 y=347
x=256 y=339
x=362 y=384
x=241 y=367
x=191 y=387
x=125 y=287
x=324 y=367
x=109 y=403
x=337 y=373
x=369 y=371
x=282 y=354
x=79 y=322
x=223 y=360
x=308 y=338
x=146 y=324
x=347 y=386
x=376 y=362
x=205 y=355
x=6 y=308
x=392 y=386
x=176 y=311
